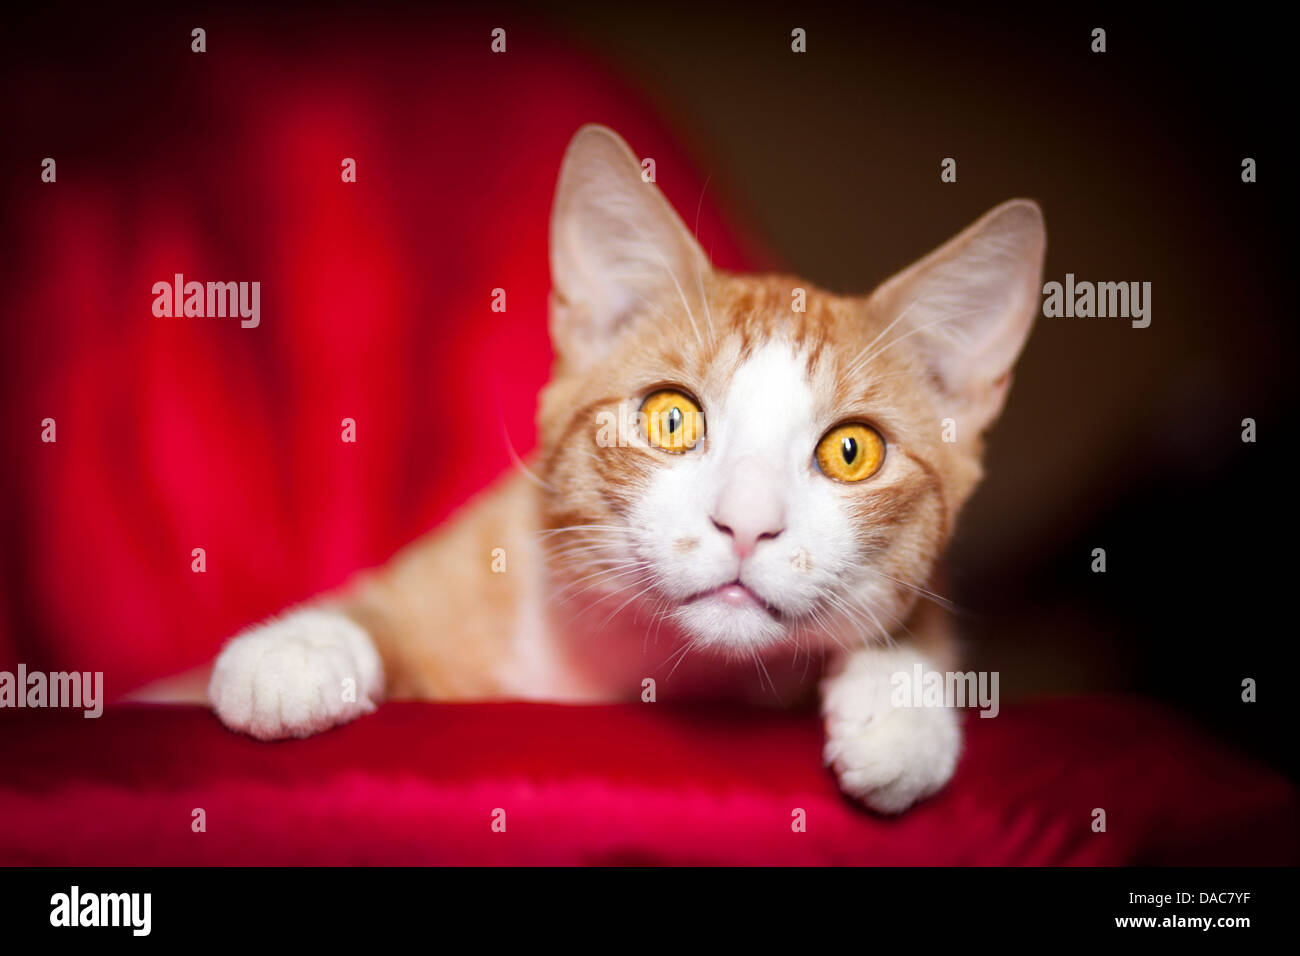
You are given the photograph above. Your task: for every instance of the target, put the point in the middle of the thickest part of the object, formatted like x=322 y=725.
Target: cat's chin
x=731 y=619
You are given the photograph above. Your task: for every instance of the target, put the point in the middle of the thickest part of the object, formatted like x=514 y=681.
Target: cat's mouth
x=737 y=595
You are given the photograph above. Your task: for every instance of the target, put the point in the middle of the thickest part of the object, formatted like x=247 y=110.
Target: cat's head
x=748 y=456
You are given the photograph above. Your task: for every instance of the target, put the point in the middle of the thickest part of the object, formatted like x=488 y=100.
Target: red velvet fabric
x=641 y=783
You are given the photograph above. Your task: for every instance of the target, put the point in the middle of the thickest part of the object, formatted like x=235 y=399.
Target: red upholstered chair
x=175 y=434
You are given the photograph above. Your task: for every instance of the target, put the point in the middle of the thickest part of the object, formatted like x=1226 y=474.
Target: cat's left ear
x=969 y=305
x=618 y=250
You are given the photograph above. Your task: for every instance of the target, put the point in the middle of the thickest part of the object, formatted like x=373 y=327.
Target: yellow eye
x=850 y=452
x=672 y=421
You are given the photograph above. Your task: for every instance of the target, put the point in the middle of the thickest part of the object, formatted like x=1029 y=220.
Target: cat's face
x=752 y=459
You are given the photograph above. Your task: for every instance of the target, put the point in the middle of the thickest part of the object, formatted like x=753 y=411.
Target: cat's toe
x=296 y=676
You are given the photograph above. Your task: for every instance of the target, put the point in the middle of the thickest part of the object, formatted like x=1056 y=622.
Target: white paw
x=888 y=757
x=296 y=676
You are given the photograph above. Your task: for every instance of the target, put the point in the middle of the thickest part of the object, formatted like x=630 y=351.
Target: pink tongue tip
x=737 y=595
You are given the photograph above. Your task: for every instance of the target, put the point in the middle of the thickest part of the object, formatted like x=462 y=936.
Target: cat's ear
x=617 y=246
x=969 y=306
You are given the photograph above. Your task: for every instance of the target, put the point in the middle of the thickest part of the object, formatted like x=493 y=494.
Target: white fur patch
x=296 y=676
x=889 y=757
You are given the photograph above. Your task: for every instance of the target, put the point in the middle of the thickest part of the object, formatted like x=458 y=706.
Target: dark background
x=828 y=164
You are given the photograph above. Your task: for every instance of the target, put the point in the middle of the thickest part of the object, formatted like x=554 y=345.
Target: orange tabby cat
x=733 y=470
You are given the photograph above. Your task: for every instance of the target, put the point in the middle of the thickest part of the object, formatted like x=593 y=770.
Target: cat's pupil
x=849 y=449
x=674 y=419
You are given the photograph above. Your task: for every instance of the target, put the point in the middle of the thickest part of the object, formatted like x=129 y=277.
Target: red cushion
x=647 y=783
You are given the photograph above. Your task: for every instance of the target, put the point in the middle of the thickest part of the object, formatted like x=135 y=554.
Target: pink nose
x=749 y=510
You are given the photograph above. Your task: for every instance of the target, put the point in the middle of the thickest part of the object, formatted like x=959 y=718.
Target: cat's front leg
x=296 y=675
x=887 y=751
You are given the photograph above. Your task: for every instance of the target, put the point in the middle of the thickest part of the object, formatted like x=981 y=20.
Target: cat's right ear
x=618 y=249
x=968 y=308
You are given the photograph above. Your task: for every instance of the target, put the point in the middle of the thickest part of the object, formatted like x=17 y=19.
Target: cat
x=733 y=470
